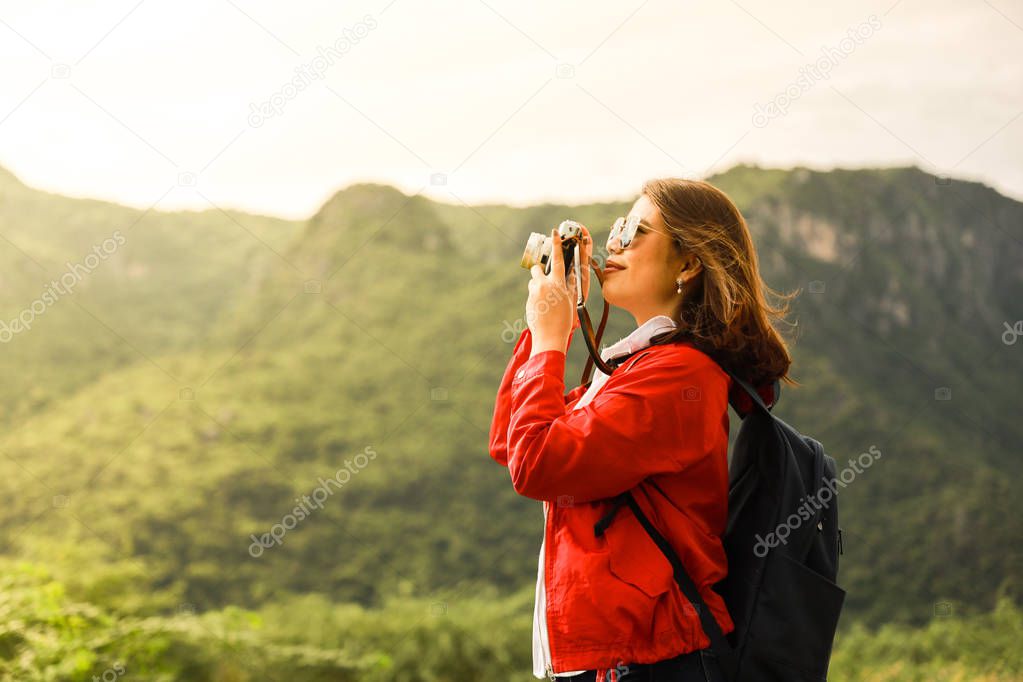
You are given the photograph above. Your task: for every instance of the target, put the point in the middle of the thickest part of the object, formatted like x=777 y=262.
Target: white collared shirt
x=637 y=340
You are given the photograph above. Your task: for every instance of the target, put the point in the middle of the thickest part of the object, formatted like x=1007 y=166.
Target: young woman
x=608 y=607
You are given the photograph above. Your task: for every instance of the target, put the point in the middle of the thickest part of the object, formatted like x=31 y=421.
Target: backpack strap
x=754 y=395
x=711 y=628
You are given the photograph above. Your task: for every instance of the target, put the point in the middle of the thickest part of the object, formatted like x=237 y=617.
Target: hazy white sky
x=271 y=107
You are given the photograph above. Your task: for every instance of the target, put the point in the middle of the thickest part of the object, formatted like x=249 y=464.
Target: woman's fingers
x=557 y=258
x=584 y=261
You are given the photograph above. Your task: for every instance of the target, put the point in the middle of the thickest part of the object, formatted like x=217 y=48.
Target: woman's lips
x=612 y=268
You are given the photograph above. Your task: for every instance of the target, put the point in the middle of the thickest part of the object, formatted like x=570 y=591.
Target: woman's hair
x=724 y=311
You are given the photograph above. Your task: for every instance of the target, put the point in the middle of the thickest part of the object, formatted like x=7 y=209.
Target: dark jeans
x=696 y=666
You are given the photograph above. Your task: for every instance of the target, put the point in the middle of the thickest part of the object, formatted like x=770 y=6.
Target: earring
x=678 y=284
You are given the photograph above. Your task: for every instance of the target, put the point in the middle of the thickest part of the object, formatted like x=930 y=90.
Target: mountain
x=220 y=366
x=88 y=287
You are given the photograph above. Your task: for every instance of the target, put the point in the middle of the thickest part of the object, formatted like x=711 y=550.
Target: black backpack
x=783 y=598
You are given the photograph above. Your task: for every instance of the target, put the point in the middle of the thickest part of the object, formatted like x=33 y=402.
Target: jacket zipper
x=548 y=664
x=546 y=601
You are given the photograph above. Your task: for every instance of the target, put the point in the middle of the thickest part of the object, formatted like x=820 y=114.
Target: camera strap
x=593 y=339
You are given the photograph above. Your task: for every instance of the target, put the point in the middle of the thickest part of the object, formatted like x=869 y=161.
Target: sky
x=272 y=107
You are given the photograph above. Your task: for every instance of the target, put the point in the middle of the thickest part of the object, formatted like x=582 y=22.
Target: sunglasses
x=625 y=231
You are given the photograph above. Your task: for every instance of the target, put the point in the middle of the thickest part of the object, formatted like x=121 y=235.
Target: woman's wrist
x=542 y=345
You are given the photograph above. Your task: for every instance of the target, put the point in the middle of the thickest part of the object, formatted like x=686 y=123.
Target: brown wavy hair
x=724 y=311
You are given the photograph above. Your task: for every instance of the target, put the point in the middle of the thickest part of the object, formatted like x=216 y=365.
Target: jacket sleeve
x=502 y=404
x=654 y=416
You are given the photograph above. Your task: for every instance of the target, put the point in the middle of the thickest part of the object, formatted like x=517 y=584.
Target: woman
x=608 y=607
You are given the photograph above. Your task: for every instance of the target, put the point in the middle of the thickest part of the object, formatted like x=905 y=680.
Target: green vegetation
x=48 y=634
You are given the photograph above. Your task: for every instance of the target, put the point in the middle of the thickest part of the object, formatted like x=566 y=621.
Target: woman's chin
x=608 y=294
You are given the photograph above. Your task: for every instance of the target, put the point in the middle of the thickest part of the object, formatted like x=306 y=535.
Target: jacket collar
x=639 y=338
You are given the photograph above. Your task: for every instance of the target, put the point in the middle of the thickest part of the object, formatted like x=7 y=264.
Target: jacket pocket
x=635 y=558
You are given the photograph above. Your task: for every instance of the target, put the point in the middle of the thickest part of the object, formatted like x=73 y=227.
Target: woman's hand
x=550 y=308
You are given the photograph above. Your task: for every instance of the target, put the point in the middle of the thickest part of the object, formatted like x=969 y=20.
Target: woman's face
x=643 y=282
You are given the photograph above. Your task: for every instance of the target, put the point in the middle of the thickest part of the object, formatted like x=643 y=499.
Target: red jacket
x=661 y=417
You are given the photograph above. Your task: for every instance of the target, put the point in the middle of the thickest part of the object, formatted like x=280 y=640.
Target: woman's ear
x=691 y=267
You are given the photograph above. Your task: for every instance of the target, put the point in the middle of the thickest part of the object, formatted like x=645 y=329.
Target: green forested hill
x=219 y=365
x=167 y=285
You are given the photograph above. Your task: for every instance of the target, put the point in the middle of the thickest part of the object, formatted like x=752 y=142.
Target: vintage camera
x=539 y=252
x=539 y=245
